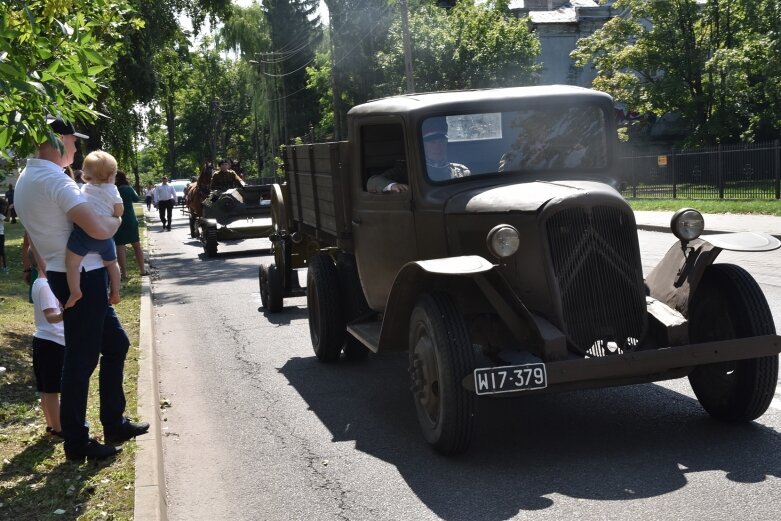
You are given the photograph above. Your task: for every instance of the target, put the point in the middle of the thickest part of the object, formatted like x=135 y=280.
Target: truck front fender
x=413 y=278
x=445 y=275
x=674 y=280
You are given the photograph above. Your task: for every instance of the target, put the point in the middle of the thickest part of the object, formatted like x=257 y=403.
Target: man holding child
x=49 y=204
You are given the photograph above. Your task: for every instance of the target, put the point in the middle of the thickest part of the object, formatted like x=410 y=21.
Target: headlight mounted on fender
x=503 y=240
x=687 y=224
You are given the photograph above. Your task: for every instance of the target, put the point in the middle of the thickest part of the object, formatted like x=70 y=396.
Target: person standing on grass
x=128 y=230
x=9 y=197
x=48 y=350
x=2 y=237
x=48 y=203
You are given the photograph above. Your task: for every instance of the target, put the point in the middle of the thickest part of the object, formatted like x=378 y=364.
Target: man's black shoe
x=92 y=450
x=128 y=431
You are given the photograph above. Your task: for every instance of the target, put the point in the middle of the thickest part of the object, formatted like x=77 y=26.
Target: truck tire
x=441 y=356
x=354 y=303
x=274 y=291
x=728 y=303
x=326 y=321
x=263 y=285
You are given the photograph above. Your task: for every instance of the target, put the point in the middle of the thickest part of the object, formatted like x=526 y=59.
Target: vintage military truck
x=520 y=272
x=238 y=213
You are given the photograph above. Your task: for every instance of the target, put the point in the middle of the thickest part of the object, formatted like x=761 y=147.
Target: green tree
x=715 y=65
x=54 y=54
x=247 y=32
x=469 y=46
x=142 y=73
x=295 y=33
x=358 y=31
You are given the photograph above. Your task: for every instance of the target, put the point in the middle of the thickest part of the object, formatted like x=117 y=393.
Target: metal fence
x=742 y=171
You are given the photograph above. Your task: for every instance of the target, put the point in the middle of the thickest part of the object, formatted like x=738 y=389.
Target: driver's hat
x=224 y=161
x=434 y=128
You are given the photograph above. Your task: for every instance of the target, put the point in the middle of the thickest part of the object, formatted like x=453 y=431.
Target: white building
x=559 y=24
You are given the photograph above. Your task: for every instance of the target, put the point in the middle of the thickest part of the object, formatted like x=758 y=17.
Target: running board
x=368 y=333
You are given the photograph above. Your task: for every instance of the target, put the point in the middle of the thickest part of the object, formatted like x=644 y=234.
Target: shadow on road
x=612 y=444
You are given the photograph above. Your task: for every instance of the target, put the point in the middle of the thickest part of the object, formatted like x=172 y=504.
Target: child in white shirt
x=48 y=351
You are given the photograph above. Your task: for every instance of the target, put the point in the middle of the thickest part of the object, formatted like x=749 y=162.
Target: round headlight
x=503 y=240
x=687 y=224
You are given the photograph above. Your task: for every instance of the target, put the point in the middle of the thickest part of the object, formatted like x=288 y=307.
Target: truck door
x=383 y=222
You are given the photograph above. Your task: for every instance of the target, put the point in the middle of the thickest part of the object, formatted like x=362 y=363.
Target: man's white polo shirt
x=44 y=195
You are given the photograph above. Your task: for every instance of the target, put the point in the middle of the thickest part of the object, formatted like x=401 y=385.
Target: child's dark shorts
x=81 y=244
x=47 y=365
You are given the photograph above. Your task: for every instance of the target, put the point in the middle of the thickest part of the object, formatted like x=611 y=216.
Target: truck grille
x=596 y=261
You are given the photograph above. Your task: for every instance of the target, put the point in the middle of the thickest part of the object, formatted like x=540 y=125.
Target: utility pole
x=407 y=47
x=336 y=93
x=271 y=115
x=213 y=131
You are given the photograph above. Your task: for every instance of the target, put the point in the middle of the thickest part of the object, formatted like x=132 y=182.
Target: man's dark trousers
x=166 y=208
x=92 y=333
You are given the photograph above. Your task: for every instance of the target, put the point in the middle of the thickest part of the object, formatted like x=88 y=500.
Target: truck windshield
x=543 y=140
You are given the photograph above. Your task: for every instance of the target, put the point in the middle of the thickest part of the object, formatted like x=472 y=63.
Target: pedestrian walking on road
x=148 y=196
x=48 y=201
x=164 y=198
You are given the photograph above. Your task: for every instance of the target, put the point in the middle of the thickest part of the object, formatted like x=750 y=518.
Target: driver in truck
x=434 y=133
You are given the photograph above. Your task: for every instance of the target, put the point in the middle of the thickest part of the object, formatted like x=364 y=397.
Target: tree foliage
x=469 y=46
x=295 y=33
x=54 y=54
x=359 y=30
x=716 y=65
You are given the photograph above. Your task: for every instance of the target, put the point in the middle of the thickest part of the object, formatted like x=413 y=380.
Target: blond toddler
x=98 y=172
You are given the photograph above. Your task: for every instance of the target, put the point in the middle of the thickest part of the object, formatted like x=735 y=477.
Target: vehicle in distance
x=179 y=186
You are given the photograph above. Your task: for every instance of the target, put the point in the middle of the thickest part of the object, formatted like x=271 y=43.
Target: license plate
x=509 y=378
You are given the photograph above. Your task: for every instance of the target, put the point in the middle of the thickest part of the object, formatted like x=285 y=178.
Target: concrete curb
x=150 y=504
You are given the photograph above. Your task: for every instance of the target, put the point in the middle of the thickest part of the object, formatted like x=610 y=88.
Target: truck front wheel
x=326 y=322
x=728 y=303
x=440 y=356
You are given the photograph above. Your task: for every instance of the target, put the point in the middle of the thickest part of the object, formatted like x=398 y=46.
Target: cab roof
x=444 y=101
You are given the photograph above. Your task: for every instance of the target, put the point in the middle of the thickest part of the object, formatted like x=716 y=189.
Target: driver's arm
x=99 y=227
x=392 y=180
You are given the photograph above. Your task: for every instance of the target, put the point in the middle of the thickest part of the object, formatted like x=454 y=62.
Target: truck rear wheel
x=440 y=357
x=326 y=322
x=728 y=303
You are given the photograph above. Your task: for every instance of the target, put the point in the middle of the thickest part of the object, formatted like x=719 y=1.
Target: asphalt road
x=257 y=429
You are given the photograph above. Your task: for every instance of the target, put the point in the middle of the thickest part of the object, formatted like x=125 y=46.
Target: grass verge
x=36 y=481
x=756 y=206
